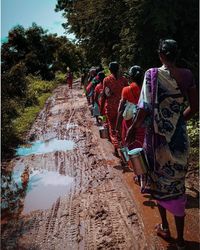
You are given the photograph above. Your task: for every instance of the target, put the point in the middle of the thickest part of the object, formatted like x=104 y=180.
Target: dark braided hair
x=169 y=49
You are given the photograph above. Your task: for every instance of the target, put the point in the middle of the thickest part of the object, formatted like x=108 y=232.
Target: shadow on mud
x=192 y=202
x=125 y=169
x=190 y=245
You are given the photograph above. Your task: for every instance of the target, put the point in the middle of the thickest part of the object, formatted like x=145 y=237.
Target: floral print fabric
x=166 y=141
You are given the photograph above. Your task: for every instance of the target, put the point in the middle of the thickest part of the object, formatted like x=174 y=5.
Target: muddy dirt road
x=73 y=193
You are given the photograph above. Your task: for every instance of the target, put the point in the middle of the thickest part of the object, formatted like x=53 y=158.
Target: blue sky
x=25 y=12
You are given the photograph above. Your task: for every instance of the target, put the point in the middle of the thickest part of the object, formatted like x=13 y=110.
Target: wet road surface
x=68 y=191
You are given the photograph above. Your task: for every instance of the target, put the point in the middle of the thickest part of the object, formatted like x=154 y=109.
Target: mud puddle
x=43 y=147
x=44 y=188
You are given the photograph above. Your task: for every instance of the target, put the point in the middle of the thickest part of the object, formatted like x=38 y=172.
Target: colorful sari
x=166 y=141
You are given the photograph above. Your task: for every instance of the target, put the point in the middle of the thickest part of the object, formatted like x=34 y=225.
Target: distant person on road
x=161 y=106
x=69 y=78
x=112 y=89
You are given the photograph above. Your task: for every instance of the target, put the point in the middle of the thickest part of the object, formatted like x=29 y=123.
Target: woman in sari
x=112 y=89
x=127 y=108
x=161 y=107
x=69 y=78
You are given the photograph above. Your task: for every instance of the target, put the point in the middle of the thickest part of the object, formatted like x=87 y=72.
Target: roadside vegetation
x=37 y=94
x=33 y=63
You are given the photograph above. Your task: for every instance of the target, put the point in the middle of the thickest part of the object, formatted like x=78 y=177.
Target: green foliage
x=106 y=70
x=41 y=54
x=129 y=30
x=29 y=60
x=42 y=99
x=97 y=24
x=23 y=122
x=37 y=94
x=151 y=20
x=18 y=114
x=60 y=77
x=193 y=132
x=36 y=87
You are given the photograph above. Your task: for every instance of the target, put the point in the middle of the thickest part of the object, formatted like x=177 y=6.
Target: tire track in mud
x=97 y=211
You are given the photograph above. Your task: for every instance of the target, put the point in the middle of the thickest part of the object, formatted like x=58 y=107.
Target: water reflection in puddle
x=40 y=147
x=44 y=188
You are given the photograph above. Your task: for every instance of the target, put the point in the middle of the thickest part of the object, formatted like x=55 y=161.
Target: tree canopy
x=129 y=30
x=41 y=53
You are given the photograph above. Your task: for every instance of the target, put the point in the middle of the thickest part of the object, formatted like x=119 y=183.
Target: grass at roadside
x=38 y=93
x=23 y=123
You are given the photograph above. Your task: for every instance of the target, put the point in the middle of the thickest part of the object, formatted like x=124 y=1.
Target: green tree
x=67 y=55
x=129 y=30
x=41 y=53
x=97 y=25
x=150 y=21
x=13 y=92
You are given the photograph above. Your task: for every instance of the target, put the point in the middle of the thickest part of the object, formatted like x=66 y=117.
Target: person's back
x=131 y=93
x=69 y=78
x=113 y=86
x=99 y=88
x=128 y=108
x=166 y=142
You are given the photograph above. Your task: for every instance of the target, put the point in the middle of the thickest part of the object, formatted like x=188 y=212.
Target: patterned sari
x=166 y=142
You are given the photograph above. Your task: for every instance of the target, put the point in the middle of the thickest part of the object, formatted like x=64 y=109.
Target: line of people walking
x=150 y=110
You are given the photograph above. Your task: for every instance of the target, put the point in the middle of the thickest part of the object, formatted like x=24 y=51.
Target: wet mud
x=65 y=189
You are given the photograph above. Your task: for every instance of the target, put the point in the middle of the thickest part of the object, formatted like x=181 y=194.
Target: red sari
x=132 y=94
x=70 y=79
x=112 y=88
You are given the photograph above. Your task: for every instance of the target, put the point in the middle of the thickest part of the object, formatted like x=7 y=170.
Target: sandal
x=162 y=232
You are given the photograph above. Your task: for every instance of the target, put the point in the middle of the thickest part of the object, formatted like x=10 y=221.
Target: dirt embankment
x=101 y=208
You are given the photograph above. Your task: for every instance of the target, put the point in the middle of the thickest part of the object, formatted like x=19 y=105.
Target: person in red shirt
x=129 y=98
x=126 y=113
x=112 y=89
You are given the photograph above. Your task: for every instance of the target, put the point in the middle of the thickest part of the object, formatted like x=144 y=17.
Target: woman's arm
x=103 y=100
x=193 y=103
x=137 y=123
x=121 y=109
